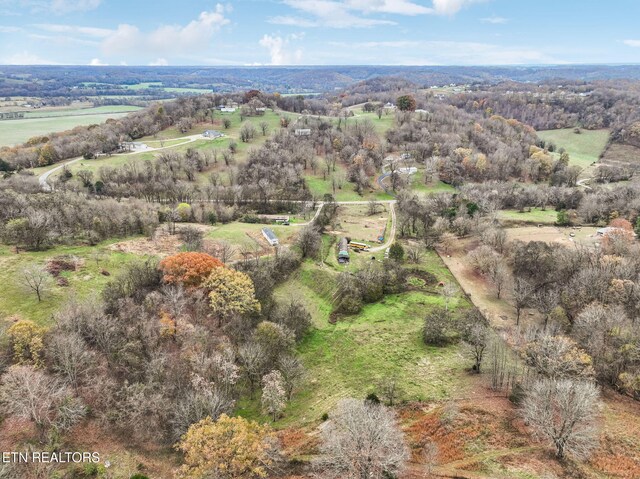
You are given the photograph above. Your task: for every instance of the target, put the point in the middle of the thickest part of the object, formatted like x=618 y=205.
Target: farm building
x=343 y=251
x=270 y=236
x=212 y=134
x=303 y=132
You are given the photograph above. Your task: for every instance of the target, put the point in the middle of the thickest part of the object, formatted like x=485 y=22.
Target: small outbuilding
x=212 y=134
x=270 y=236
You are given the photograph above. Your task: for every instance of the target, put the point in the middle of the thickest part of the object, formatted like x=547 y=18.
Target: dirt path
x=498 y=311
x=392 y=233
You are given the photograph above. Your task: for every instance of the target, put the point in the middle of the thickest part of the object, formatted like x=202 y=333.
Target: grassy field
x=381 y=125
x=536 y=215
x=81 y=111
x=319 y=186
x=87 y=280
x=13 y=132
x=584 y=148
x=348 y=358
x=249 y=236
x=419 y=186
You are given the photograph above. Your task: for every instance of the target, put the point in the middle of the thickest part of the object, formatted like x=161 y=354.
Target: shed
x=212 y=134
x=270 y=236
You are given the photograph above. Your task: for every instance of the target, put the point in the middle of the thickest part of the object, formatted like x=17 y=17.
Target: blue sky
x=319 y=32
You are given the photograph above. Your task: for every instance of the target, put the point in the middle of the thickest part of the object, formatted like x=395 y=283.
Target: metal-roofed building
x=270 y=236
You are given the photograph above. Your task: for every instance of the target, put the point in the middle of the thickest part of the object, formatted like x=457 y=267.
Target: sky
x=319 y=32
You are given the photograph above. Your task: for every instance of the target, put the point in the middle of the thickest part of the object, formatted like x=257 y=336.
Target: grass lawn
x=348 y=358
x=381 y=125
x=249 y=235
x=418 y=185
x=536 y=215
x=584 y=148
x=13 y=132
x=87 y=280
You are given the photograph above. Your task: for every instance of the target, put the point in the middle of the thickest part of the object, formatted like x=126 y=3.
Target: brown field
x=354 y=222
x=553 y=234
x=623 y=156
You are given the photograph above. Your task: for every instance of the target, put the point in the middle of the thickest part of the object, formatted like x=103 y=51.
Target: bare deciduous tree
x=32 y=394
x=362 y=440
x=252 y=357
x=36 y=279
x=564 y=413
x=389 y=389
x=415 y=254
x=293 y=373
x=273 y=394
x=522 y=292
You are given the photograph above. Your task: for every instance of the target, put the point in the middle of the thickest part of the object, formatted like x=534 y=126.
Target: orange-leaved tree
x=227 y=448
x=190 y=269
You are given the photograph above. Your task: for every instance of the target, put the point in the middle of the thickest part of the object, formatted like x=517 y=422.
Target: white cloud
x=95 y=62
x=632 y=43
x=66 y=6
x=167 y=39
x=399 y=7
x=451 y=7
x=358 y=13
x=495 y=20
x=25 y=58
x=326 y=13
x=160 y=62
x=5 y=29
x=59 y=7
x=73 y=29
x=279 y=51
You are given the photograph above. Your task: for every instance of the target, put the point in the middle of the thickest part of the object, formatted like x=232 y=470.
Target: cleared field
x=46 y=113
x=87 y=280
x=319 y=186
x=552 y=234
x=248 y=236
x=13 y=132
x=622 y=156
x=354 y=222
x=536 y=215
x=584 y=148
x=348 y=358
x=381 y=125
x=418 y=185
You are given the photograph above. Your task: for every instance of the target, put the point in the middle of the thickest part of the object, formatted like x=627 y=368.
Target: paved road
x=43 y=179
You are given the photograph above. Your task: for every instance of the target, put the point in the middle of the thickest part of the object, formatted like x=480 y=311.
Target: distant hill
x=47 y=81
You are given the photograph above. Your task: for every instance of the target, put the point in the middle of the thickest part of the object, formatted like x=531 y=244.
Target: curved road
x=44 y=184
